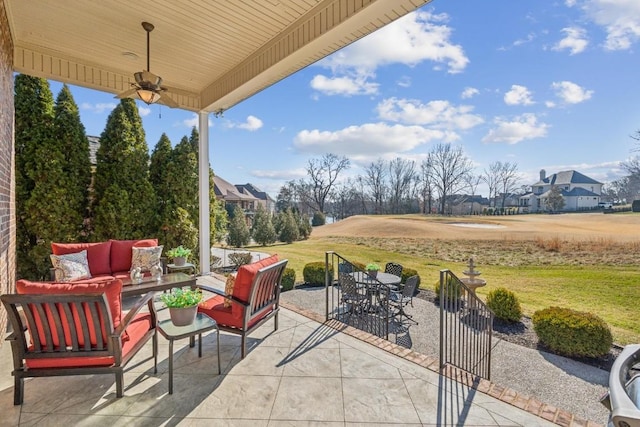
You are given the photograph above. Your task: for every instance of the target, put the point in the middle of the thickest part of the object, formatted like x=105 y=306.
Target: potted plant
x=372 y=269
x=182 y=304
x=179 y=255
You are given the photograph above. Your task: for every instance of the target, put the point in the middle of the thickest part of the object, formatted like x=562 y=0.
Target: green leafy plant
x=180 y=298
x=453 y=290
x=313 y=273
x=504 y=304
x=288 y=279
x=408 y=272
x=372 y=266
x=572 y=333
x=179 y=252
x=238 y=259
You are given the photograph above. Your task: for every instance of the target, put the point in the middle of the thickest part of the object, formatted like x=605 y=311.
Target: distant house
x=263 y=198
x=579 y=192
x=466 y=204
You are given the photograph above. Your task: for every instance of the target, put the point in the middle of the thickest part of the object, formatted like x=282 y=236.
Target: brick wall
x=7 y=176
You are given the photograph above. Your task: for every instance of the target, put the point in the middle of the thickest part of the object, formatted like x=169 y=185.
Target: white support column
x=203 y=185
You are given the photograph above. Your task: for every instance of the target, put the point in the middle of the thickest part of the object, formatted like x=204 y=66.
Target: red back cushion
x=242 y=287
x=97 y=254
x=112 y=289
x=121 y=252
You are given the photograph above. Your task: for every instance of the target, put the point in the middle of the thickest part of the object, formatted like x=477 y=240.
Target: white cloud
x=436 y=114
x=252 y=124
x=144 y=111
x=519 y=129
x=375 y=139
x=469 y=92
x=530 y=37
x=410 y=40
x=98 y=108
x=550 y=104
x=575 y=40
x=404 y=81
x=518 y=95
x=346 y=86
x=285 y=175
x=619 y=18
x=571 y=93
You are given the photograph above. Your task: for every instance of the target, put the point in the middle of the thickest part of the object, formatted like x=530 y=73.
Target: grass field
x=588 y=262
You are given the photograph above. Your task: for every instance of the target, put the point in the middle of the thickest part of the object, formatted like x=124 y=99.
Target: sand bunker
x=475 y=225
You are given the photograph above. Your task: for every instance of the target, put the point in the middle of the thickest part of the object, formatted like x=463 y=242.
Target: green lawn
x=611 y=292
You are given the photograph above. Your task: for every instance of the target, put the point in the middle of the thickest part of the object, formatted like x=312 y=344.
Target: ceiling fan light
x=148 y=96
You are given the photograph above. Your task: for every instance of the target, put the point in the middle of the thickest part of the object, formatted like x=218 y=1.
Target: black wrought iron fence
x=465 y=327
x=355 y=298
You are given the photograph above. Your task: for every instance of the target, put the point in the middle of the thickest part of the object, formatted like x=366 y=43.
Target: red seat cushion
x=136 y=330
x=214 y=308
x=242 y=287
x=97 y=255
x=121 y=252
x=112 y=289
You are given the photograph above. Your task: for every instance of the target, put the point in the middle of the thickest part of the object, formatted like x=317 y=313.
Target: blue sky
x=545 y=84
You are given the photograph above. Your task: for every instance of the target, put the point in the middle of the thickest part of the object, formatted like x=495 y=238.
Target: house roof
x=566 y=177
x=215 y=53
x=253 y=190
x=578 y=191
x=228 y=192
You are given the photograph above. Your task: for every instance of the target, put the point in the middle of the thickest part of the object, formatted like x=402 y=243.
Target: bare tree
x=450 y=166
x=555 y=201
x=402 y=174
x=323 y=173
x=426 y=183
x=491 y=177
x=508 y=179
x=375 y=179
x=472 y=182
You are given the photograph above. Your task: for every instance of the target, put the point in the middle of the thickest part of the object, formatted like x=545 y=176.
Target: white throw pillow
x=71 y=267
x=145 y=258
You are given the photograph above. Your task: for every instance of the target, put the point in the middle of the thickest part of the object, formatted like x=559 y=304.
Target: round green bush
x=454 y=290
x=313 y=273
x=288 y=279
x=572 y=333
x=318 y=219
x=504 y=304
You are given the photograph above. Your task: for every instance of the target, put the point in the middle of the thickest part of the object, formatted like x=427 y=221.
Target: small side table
x=187 y=266
x=203 y=323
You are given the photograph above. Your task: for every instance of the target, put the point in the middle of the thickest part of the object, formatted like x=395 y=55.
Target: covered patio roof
x=216 y=53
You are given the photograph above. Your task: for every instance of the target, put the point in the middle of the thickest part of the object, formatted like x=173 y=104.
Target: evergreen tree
x=304 y=226
x=289 y=231
x=555 y=200
x=33 y=127
x=70 y=134
x=122 y=174
x=182 y=231
x=263 y=231
x=183 y=174
x=239 y=235
x=162 y=185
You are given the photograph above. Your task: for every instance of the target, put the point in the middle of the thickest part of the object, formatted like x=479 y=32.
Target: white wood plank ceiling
x=217 y=52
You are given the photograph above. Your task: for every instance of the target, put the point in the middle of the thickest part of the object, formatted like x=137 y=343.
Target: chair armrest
x=146 y=299
x=222 y=294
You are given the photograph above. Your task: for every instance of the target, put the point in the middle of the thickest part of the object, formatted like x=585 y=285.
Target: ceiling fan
x=148 y=87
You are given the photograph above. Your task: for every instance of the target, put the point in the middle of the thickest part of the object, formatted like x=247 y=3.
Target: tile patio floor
x=304 y=374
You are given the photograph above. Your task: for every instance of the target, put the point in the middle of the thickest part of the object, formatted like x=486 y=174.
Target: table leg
x=218 y=347
x=199 y=345
x=170 y=366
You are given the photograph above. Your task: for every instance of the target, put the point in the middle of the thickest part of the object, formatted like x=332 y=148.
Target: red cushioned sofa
x=106 y=259
x=254 y=300
x=75 y=329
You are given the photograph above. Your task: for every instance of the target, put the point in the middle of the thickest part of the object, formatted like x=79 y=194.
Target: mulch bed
x=522 y=333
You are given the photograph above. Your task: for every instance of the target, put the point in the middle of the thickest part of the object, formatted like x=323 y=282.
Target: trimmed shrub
x=572 y=333
x=635 y=206
x=454 y=290
x=288 y=279
x=313 y=273
x=504 y=304
x=318 y=219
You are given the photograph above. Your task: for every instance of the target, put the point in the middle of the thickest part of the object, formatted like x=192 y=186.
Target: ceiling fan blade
x=177 y=91
x=127 y=93
x=166 y=100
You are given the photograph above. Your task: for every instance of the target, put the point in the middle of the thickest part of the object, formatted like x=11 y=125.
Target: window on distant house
x=566 y=187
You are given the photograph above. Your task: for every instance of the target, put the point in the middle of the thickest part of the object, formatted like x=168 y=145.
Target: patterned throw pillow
x=228 y=289
x=71 y=267
x=145 y=258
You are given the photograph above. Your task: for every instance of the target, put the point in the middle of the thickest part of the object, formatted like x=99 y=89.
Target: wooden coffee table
x=166 y=282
